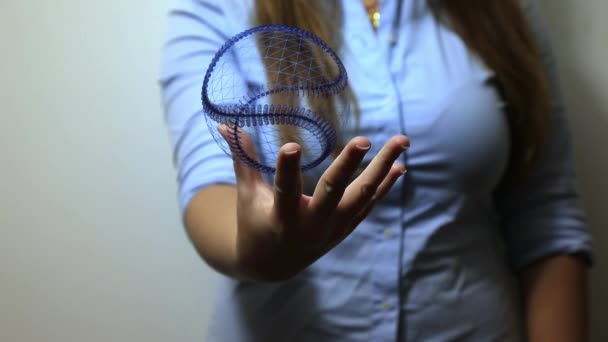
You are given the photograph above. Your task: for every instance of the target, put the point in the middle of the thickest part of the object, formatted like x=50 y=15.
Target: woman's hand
x=281 y=231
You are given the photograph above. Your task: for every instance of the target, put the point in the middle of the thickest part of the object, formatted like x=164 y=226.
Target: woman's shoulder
x=228 y=11
x=224 y=18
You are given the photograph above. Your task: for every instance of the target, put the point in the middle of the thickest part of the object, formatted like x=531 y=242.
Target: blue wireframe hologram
x=276 y=84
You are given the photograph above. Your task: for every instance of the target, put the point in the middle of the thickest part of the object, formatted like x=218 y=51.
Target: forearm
x=555 y=292
x=212 y=226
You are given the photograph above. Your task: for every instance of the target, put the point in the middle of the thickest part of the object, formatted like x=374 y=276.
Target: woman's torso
x=427 y=264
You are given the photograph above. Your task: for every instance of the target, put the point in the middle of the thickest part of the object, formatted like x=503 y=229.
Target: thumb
x=242 y=147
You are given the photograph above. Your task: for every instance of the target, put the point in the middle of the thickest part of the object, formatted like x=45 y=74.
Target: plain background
x=91 y=246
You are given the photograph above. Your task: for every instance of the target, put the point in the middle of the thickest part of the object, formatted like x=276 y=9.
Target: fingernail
x=404 y=147
x=290 y=153
x=404 y=171
x=363 y=147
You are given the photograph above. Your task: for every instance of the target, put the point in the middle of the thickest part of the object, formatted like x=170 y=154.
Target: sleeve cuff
x=580 y=247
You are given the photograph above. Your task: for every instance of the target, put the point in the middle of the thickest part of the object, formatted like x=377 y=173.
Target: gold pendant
x=373 y=12
x=374 y=17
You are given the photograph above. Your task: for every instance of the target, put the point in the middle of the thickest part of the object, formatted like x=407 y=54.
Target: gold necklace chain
x=372 y=7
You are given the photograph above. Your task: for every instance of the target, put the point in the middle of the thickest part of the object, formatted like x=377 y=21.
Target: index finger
x=288 y=182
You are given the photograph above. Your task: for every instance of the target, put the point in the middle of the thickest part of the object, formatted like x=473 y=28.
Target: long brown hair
x=496 y=30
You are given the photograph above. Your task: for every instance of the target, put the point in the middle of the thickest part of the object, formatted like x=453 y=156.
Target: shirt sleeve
x=544 y=215
x=196 y=31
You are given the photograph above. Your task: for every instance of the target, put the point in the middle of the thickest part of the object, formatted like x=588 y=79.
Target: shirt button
x=388 y=233
x=386 y=305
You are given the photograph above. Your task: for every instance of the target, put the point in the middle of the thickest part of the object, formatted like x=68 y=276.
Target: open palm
x=281 y=231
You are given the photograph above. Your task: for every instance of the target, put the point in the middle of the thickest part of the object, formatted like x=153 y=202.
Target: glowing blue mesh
x=277 y=84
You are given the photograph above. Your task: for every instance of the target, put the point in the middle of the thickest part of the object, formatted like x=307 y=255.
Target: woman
x=482 y=240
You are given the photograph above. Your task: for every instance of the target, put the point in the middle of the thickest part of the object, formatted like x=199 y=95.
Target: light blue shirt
x=436 y=260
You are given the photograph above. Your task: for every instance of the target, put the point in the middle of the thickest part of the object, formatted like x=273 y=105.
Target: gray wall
x=91 y=246
x=580 y=37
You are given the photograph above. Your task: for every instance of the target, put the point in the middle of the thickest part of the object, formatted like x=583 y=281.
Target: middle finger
x=330 y=187
x=359 y=192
